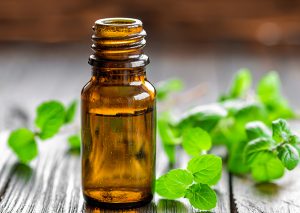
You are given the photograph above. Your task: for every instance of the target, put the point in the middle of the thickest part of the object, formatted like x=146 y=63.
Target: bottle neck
x=118 y=75
x=118 y=43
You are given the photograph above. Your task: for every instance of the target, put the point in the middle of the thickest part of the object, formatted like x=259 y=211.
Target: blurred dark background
x=44 y=45
x=268 y=22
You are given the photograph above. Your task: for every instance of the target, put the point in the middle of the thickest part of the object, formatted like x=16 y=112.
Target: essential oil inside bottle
x=118 y=167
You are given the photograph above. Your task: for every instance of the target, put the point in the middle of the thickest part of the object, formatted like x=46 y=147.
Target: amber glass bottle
x=118 y=118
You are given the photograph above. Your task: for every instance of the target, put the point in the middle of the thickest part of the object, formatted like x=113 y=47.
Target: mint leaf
x=201 y=196
x=170 y=151
x=236 y=163
x=50 y=117
x=163 y=89
x=255 y=149
x=268 y=170
x=174 y=184
x=166 y=131
x=205 y=117
x=168 y=136
x=241 y=83
x=195 y=140
x=256 y=129
x=206 y=169
x=251 y=112
x=269 y=93
x=70 y=112
x=22 y=142
x=295 y=142
x=74 y=141
x=268 y=88
x=281 y=130
x=289 y=156
x=294 y=139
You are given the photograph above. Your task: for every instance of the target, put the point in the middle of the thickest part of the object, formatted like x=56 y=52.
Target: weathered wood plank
x=278 y=197
x=50 y=184
x=6 y=168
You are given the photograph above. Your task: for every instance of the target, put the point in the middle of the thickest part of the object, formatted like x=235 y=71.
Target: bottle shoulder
x=139 y=95
x=120 y=90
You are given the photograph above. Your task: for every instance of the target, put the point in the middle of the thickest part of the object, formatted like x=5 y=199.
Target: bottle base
x=106 y=205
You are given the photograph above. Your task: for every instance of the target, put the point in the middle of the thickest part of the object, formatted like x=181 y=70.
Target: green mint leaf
x=201 y=196
x=268 y=170
x=22 y=142
x=170 y=151
x=297 y=147
x=50 y=117
x=168 y=136
x=252 y=111
x=294 y=139
x=256 y=129
x=166 y=132
x=281 y=130
x=205 y=117
x=255 y=150
x=236 y=163
x=259 y=157
x=295 y=142
x=163 y=89
x=268 y=88
x=195 y=140
x=174 y=184
x=74 y=141
x=269 y=93
x=289 y=156
x=232 y=106
x=241 y=83
x=70 y=112
x=206 y=169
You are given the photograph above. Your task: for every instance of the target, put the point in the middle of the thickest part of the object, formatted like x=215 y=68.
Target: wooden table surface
x=30 y=74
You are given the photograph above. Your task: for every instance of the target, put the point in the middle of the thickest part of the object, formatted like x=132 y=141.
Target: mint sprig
x=194 y=182
x=240 y=120
x=267 y=156
x=50 y=117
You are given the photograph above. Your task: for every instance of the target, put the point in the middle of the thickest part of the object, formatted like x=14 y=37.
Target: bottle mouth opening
x=119 y=22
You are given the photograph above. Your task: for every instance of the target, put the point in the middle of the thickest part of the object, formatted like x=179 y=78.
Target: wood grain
x=278 y=197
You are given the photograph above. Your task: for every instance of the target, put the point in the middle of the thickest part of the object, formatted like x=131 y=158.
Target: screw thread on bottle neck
x=118 y=42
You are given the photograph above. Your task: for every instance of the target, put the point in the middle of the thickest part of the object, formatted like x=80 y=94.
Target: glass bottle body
x=119 y=138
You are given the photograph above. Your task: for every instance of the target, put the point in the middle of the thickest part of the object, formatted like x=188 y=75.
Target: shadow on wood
x=151 y=207
x=268 y=188
x=23 y=172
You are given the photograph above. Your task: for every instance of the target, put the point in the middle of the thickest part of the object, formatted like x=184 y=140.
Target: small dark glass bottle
x=118 y=118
